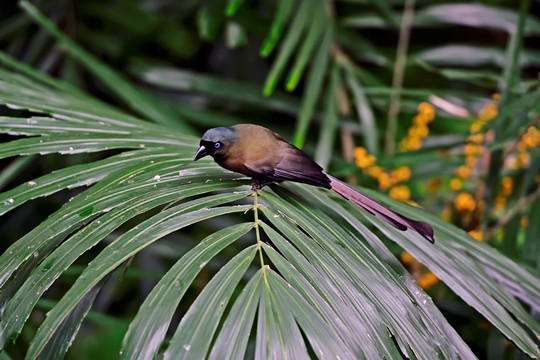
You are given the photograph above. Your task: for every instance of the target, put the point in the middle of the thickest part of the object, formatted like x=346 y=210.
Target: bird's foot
x=258 y=185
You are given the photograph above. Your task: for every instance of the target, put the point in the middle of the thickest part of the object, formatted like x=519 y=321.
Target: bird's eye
x=217 y=145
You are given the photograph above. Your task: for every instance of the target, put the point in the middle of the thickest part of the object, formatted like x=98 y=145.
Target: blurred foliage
x=435 y=103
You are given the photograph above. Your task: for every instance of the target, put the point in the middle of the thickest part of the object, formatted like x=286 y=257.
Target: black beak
x=200 y=153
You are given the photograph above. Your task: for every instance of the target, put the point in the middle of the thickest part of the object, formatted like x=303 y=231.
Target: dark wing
x=292 y=165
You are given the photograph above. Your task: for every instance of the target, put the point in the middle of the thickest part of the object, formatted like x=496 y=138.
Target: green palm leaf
x=152 y=321
x=326 y=284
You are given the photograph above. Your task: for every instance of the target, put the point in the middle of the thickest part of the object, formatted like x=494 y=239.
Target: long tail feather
x=363 y=201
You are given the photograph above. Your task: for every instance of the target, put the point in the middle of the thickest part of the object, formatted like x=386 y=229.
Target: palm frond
x=324 y=283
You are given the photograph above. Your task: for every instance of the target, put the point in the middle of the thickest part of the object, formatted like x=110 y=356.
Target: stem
x=399 y=73
x=257 y=233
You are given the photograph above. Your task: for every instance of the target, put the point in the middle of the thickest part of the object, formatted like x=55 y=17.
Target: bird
x=268 y=158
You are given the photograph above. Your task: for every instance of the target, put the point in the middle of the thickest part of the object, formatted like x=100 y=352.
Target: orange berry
x=500 y=202
x=477 y=235
x=427 y=280
x=529 y=140
x=359 y=151
x=507 y=184
x=456 y=184
x=476 y=138
x=407 y=258
x=400 y=192
x=473 y=149
x=420 y=119
x=384 y=181
x=404 y=144
x=471 y=161
x=464 y=172
x=402 y=173
x=523 y=159
x=521 y=146
x=365 y=161
x=533 y=132
x=422 y=131
x=475 y=127
x=374 y=171
x=415 y=143
x=464 y=202
x=488 y=112
x=427 y=110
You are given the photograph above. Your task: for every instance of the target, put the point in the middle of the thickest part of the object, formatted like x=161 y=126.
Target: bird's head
x=216 y=142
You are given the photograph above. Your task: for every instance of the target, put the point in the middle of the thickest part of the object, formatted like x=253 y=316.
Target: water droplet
x=157 y=178
x=276 y=215
x=9 y=202
x=71 y=148
x=187 y=347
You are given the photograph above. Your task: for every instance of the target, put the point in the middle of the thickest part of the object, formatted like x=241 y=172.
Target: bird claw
x=258 y=185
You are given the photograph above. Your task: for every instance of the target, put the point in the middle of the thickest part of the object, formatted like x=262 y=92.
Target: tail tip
x=427 y=233
x=425 y=230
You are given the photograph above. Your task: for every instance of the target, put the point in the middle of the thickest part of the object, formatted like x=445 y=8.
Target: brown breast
x=256 y=147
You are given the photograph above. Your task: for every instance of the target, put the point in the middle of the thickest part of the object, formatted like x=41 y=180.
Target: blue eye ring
x=217 y=145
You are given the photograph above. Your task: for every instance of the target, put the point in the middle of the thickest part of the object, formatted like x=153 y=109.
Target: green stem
x=256 y=225
x=399 y=73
